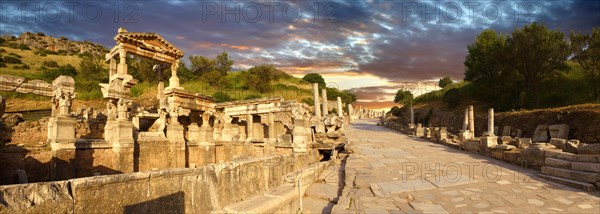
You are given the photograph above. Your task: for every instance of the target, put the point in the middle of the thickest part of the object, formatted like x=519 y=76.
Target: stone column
x=466 y=120
x=227 y=132
x=412 y=115
x=112 y=67
x=316 y=100
x=350 y=112
x=299 y=136
x=271 y=121
x=325 y=109
x=250 y=127
x=491 y=122
x=471 y=121
x=339 y=107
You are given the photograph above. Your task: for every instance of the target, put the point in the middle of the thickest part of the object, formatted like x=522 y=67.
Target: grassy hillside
x=88 y=92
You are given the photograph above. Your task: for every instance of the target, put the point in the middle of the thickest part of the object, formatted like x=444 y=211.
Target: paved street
x=389 y=172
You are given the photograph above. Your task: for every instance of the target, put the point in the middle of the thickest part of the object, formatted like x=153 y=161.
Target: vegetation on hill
x=208 y=76
x=534 y=67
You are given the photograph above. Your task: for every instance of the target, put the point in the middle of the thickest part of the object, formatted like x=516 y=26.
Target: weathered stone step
x=559 y=163
x=589 y=177
x=580 y=185
x=557 y=154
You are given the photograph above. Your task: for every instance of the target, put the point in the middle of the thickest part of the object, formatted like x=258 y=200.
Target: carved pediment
x=149 y=41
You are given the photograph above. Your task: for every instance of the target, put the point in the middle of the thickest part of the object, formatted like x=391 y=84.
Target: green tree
x=215 y=79
x=585 y=49
x=201 y=65
x=404 y=97
x=536 y=52
x=395 y=111
x=347 y=97
x=315 y=78
x=260 y=77
x=485 y=60
x=92 y=68
x=184 y=73
x=446 y=81
x=223 y=63
x=487 y=66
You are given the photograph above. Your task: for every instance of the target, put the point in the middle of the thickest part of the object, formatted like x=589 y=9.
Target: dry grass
x=34 y=62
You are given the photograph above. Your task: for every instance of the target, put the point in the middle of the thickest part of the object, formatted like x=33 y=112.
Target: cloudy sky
x=371 y=47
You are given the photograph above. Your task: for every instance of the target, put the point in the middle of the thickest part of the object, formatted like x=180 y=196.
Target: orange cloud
x=238 y=47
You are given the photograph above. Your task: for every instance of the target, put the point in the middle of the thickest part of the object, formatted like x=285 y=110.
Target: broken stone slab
x=506 y=131
x=540 y=134
x=559 y=131
x=559 y=143
x=10 y=83
x=43 y=197
x=505 y=147
x=428 y=208
x=571 y=146
x=323 y=191
x=523 y=143
x=588 y=149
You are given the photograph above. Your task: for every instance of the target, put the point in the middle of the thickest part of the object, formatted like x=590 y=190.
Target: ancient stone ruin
x=560 y=159
x=186 y=138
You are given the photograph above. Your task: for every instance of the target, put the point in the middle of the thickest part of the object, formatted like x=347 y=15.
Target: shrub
x=40 y=34
x=12 y=45
x=221 y=97
x=2 y=65
x=12 y=60
x=21 y=67
x=24 y=47
x=67 y=70
x=50 y=64
x=15 y=55
x=252 y=96
x=2 y=50
x=43 y=52
x=2 y=41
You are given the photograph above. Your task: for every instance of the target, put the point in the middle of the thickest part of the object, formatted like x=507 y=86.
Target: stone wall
x=193 y=190
x=583 y=120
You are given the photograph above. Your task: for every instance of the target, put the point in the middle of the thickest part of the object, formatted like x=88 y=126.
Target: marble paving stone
x=503 y=182
x=564 y=200
x=556 y=209
x=449 y=180
x=375 y=211
x=481 y=205
x=395 y=187
x=429 y=208
x=585 y=206
x=535 y=202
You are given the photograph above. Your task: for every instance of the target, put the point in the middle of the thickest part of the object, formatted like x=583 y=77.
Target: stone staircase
x=576 y=170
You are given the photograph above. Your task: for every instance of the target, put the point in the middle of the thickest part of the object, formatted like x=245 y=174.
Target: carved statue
x=123 y=109
x=111 y=109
